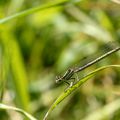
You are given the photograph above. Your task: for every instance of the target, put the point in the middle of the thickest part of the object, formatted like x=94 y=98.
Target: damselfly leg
x=70 y=82
x=76 y=76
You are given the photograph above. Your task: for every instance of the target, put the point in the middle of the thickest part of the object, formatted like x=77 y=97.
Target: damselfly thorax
x=67 y=76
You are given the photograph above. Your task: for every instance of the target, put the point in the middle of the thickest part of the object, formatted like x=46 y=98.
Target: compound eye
x=58 y=79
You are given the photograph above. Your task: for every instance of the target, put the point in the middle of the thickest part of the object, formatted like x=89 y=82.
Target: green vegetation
x=42 y=39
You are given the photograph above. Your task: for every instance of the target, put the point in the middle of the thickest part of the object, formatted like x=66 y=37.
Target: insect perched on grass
x=70 y=72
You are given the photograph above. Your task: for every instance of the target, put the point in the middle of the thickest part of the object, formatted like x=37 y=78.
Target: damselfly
x=70 y=72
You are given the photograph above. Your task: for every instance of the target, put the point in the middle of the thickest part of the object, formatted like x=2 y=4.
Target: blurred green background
x=37 y=47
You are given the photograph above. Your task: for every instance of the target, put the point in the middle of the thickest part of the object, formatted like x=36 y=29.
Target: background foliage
x=56 y=35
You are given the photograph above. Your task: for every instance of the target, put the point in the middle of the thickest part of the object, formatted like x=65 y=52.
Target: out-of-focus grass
x=39 y=46
x=33 y=10
x=4 y=68
x=16 y=66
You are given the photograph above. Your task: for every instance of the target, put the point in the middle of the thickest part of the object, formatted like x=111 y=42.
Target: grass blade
x=74 y=87
x=36 y=9
x=17 y=68
x=4 y=59
x=6 y=107
x=32 y=10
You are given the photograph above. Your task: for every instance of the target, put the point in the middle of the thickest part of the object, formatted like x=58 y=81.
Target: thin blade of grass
x=6 y=107
x=4 y=59
x=17 y=68
x=74 y=87
x=36 y=9
x=33 y=10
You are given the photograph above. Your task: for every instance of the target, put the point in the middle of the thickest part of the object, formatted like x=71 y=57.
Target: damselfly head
x=58 y=79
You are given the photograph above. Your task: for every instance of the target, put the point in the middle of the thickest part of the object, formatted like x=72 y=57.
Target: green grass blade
x=36 y=9
x=32 y=10
x=74 y=87
x=4 y=59
x=6 y=107
x=17 y=68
